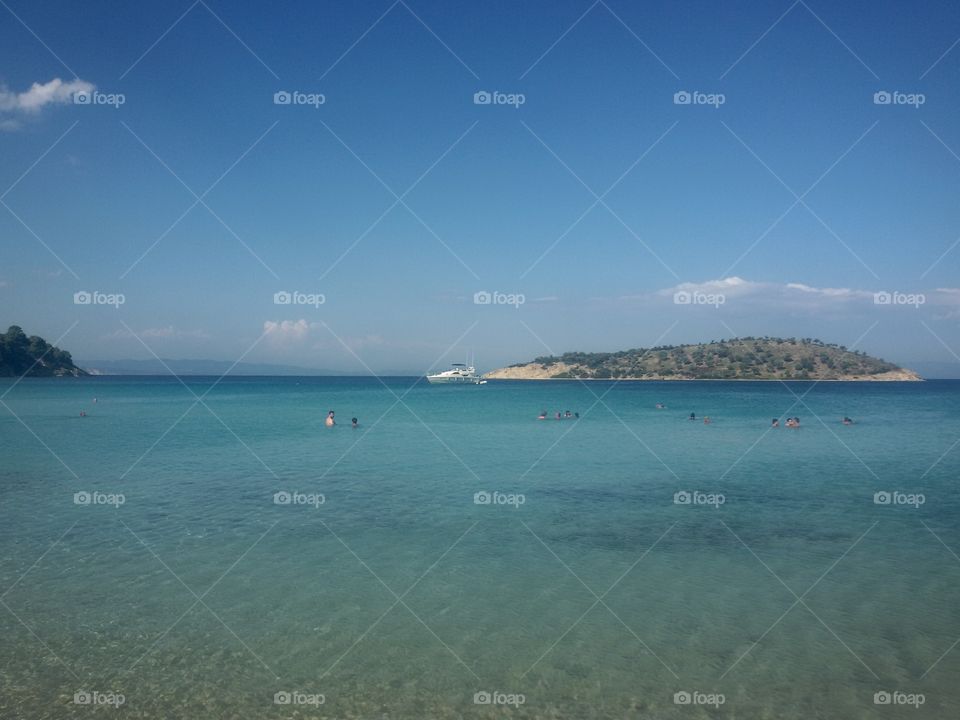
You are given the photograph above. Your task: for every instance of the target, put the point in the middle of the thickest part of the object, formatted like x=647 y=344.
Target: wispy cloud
x=162 y=333
x=291 y=333
x=15 y=106
x=284 y=332
x=791 y=293
x=739 y=287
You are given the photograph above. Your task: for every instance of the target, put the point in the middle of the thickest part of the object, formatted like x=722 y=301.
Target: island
x=747 y=358
x=33 y=356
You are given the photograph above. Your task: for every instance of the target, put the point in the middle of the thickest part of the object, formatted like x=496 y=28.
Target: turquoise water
x=400 y=597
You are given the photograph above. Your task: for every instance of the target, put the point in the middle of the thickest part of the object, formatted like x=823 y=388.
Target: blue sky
x=594 y=201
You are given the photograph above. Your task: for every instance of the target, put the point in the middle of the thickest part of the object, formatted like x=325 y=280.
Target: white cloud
x=30 y=102
x=286 y=331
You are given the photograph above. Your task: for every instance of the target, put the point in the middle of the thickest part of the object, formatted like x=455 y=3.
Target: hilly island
x=33 y=356
x=747 y=358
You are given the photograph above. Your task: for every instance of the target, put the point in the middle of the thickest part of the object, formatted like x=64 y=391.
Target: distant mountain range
x=215 y=367
x=748 y=358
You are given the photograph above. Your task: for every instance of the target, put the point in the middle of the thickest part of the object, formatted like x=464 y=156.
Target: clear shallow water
x=303 y=598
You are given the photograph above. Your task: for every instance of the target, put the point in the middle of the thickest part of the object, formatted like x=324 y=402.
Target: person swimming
x=353 y=422
x=559 y=416
x=706 y=420
x=330 y=422
x=660 y=406
x=568 y=414
x=846 y=420
x=693 y=416
x=542 y=415
x=793 y=422
x=775 y=423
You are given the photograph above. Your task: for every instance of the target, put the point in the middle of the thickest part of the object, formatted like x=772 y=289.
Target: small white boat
x=458 y=374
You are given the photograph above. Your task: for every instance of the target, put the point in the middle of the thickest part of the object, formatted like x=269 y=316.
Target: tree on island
x=33 y=356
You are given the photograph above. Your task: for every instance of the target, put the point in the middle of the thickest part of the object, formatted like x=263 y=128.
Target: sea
x=198 y=547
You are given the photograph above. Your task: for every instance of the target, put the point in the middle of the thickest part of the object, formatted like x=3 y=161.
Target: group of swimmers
x=330 y=422
x=792 y=422
x=559 y=416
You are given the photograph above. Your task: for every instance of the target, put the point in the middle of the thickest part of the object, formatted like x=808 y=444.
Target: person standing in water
x=330 y=421
x=353 y=422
